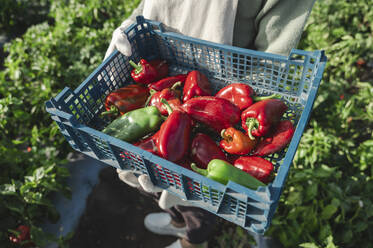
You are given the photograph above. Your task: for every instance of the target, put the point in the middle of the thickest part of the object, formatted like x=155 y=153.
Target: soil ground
x=114 y=218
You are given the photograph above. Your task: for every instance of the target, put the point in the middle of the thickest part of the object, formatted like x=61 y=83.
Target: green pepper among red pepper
x=260 y=118
x=222 y=171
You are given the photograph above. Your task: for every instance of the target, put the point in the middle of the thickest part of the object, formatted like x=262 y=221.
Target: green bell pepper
x=222 y=171
x=135 y=124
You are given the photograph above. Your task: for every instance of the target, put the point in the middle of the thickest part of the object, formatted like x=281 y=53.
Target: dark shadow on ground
x=114 y=216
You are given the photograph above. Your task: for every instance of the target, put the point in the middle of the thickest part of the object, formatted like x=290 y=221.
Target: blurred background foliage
x=327 y=200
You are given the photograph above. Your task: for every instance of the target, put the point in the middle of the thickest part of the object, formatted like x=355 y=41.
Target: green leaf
x=311 y=191
x=309 y=245
x=8 y=189
x=328 y=212
x=324 y=171
x=329 y=242
x=325 y=231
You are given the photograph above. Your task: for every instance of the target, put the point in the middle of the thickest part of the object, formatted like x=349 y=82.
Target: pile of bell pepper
x=225 y=136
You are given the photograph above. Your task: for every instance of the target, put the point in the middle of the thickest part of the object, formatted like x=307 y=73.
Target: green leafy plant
x=49 y=56
x=17 y=15
x=327 y=197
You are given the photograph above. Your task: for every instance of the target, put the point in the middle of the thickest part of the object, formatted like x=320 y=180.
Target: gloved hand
x=119 y=41
x=143 y=181
x=129 y=178
x=167 y=200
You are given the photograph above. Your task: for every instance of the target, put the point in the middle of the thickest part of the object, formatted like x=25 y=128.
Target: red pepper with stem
x=241 y=95
x=279 y=139
x=168 y=94
x=196 y=84
x=259 y=118
x=23 y=236
x=258 y=167
x=125 y=99
x=204 y=149
x=236 y=142
x=217 y=113
x=167 y=82
x=144 y=72
x=174 y=135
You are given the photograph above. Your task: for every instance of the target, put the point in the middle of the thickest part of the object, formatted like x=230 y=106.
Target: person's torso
x=230 y=22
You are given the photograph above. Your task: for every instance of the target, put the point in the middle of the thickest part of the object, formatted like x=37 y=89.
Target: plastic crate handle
x=158 y=25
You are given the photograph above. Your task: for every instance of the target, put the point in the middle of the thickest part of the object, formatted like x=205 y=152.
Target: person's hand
x=166 y=200
x=128 y=177
x=143 y=181
x=119 y=41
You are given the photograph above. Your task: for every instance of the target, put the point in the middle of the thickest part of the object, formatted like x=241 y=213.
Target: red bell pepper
x=144 y=72
x=196 y=84
x=185 y=162
x=23 y=237
x=204 y=149
x=280 y=138
x=241 y=95
x=168 y=94
x=217 y=113
x=167 y=82
x=149 y=144
x=258 y=167
x=125 y=99
x=174 y=135
x=236 y=142
x=161 y=67
x=260 y=117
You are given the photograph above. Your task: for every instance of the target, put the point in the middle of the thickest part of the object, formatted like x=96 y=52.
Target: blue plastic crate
x=296 y=78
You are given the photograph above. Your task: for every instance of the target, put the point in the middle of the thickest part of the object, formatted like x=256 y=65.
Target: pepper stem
x=198 y=170
x=137 y=67
x=251 y=124
x=176 y=85
x=151 y=92
x=224 y=136
x=113 y=110
x=260 y=98
x=167 y=105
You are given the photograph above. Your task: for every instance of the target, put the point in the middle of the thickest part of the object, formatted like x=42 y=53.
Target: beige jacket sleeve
x=280 y=24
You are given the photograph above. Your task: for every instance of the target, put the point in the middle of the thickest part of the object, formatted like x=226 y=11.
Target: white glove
x=129 y=178
x=143 y=181
x=119 y=41
x=167 y=200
